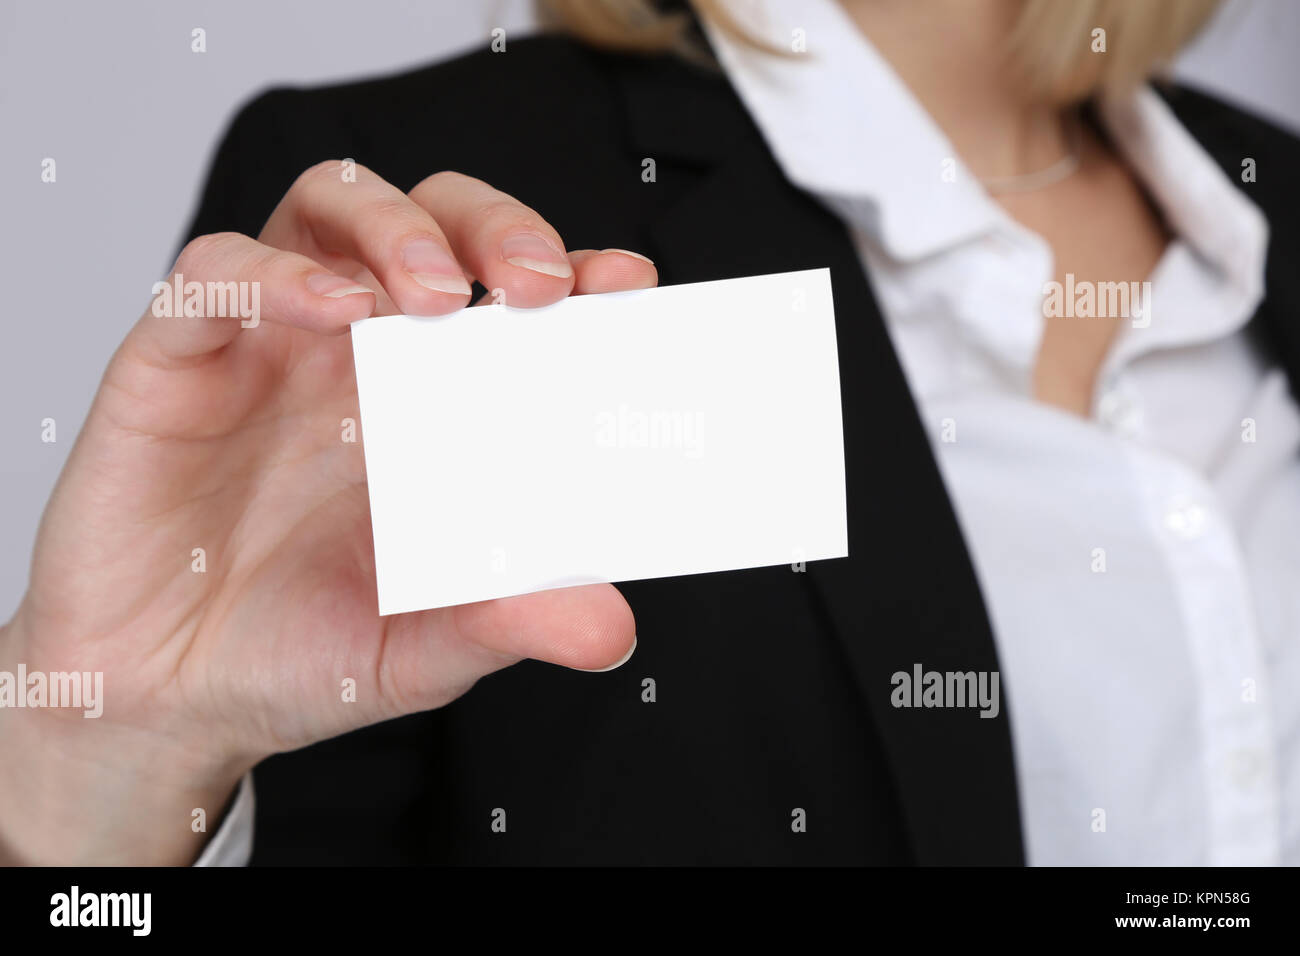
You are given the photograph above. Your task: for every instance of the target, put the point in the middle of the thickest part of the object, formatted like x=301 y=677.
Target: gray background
x=114 y=95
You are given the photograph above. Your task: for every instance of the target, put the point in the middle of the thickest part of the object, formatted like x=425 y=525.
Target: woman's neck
x=952 y=56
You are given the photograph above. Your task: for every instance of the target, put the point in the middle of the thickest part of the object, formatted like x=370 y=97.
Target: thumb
x=430 y=658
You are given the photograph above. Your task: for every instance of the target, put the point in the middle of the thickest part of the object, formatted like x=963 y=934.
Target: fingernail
x=533 y=252
x=629 y=252
x=612 y=667
x=433 y=267
x=334 y=287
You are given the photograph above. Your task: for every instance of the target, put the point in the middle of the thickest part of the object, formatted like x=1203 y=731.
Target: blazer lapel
x=907 y=596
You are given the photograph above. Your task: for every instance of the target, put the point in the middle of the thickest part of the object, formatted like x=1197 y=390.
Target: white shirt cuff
x=232 y=844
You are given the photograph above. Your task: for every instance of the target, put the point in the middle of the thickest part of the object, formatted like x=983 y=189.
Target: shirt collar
x=844 y=127
x=1213 y=273
x=1200 y=204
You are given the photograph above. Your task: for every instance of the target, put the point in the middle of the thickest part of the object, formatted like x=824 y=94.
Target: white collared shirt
x=1140 y=566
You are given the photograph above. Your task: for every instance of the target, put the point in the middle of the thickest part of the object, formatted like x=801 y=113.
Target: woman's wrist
x=83 y=790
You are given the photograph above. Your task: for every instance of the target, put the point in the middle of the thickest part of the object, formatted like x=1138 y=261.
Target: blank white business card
x=676 y=430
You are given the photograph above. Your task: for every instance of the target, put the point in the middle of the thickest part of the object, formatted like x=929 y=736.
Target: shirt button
x=1185 y=519
x=1121 y=412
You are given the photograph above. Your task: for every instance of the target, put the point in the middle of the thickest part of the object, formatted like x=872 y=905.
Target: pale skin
x=1099 y=223
x=206 y=435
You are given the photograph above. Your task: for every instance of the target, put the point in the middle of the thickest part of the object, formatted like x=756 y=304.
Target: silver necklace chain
x=1063 y=168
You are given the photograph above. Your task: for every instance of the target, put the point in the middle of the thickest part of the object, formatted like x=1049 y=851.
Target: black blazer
x=772 y=687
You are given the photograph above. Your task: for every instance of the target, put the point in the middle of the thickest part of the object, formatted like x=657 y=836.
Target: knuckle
x=447 y=179
x=393 y=220
x=325 y=173
x=265 y=265
x=202 y=251
x=389 y=210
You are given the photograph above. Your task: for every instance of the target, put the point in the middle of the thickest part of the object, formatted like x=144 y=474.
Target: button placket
x=1206 y=568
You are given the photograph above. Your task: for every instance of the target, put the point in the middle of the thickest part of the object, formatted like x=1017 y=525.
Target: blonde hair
x=1051 y=46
